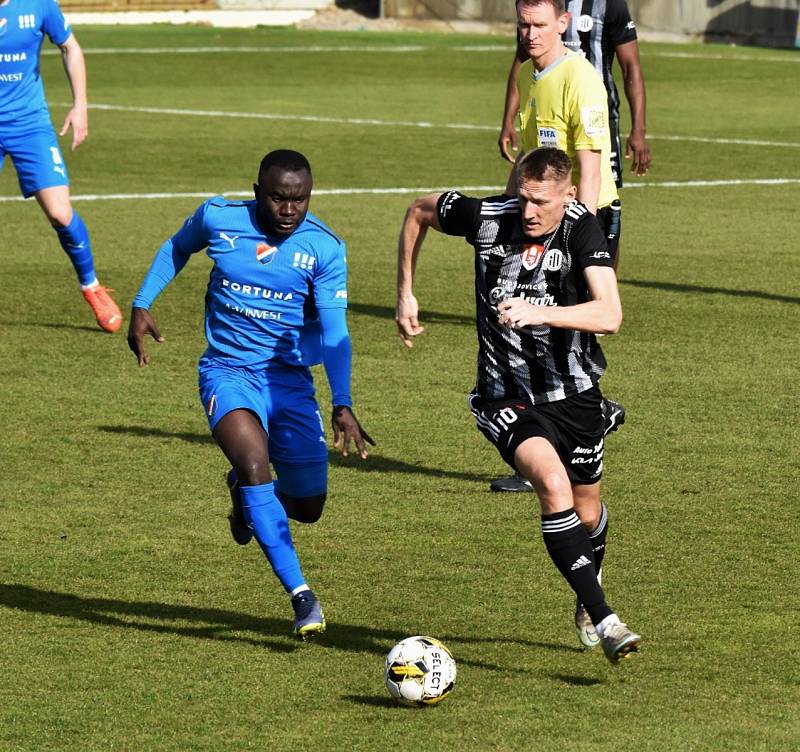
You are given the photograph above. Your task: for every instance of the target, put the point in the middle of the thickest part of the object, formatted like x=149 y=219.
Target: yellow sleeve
x=588 y=108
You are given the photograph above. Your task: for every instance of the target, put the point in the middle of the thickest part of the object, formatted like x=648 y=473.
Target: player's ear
x=255 y=189
x=570 y=194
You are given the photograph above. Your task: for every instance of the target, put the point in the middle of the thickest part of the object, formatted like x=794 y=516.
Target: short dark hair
x=559 y=5
x=546 y=163
x=286 y=159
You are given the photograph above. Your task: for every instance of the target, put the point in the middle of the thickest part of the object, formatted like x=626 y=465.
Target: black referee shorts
x=574 y=426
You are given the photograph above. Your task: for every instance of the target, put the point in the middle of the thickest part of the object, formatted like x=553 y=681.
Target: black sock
x=571 y=551
x=598 y=539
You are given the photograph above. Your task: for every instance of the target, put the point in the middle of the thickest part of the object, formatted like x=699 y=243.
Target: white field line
x=265 y=49
x=403 y=49
x=788 y=58
x=396 y=123
x=418 y=191
x=280 y=116
x=708 y=140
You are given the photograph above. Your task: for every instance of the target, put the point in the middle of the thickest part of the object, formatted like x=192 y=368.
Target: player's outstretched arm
x=347 y=429
x=636 y=147
x=167 y=263
x=507 y=140
x=141 y=323
x=78 y=116
x=420 y=216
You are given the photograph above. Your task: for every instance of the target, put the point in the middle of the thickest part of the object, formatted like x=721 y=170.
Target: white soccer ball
x=419 y=671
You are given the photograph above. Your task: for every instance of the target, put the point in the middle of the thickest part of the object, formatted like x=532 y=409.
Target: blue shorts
x=282 y=397
x=35 y=154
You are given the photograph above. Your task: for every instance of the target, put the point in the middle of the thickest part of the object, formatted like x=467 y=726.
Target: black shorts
x=610 y=219
x=574 y=426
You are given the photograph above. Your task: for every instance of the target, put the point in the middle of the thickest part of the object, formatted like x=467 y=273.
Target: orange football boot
x=106 y=311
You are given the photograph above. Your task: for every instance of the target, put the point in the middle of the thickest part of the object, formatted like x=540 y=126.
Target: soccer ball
x=419 y=671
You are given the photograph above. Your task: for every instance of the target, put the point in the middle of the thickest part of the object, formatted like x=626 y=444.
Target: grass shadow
x=157 y=433
x=558 y=647
x=426 y=317
x=201 y=623
x=153 y=617
x=576 y=681
x=56 y=325
x=376 y=702
x=378 y=464
x=679 y=287
x=375 y=463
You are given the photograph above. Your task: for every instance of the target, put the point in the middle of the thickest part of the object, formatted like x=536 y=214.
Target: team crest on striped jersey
x=531 y=255
x=265 y=253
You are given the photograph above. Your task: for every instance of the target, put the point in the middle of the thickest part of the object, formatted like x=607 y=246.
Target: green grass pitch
x=128 y=618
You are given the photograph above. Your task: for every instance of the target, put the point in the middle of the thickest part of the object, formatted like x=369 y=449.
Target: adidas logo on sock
x=581 y=561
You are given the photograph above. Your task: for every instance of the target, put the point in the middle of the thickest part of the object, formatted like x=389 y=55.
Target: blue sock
x=74 y=239
x=276 y=489
x=267 y=517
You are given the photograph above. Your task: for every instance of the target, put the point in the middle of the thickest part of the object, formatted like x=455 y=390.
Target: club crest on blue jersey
x=3 y=26
x=265 y=253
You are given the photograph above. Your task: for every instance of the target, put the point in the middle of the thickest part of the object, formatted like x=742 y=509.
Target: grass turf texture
x=129 y=618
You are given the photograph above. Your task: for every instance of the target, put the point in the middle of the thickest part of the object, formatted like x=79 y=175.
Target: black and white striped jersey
x=537 y=364
x=597 y=28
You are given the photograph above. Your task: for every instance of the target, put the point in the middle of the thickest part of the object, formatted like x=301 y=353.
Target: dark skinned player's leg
x=307 y=509
x=243 y=440
x=302 y=489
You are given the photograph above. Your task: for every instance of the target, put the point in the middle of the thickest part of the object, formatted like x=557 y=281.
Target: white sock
x=90 y=285
x=607 y=622
x=300 y=589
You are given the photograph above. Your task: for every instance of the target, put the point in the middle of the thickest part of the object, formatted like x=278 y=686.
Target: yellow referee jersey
x=566 y=106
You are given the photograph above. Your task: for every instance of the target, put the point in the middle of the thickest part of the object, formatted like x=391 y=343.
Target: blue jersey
x=263 y=291
x=23 y=25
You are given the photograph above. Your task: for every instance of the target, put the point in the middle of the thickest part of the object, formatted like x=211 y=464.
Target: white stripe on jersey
x=576 y=210
x=499 y=212
x=495 y=208
x=502 y=202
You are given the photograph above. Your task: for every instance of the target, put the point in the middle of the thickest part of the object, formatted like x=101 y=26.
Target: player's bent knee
x=56 y=206
x=59 y=219
x=553 y=485
x=303 y=489
x=587 y=505
x=589 y=520
x=252 y=471
x=307 y=509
